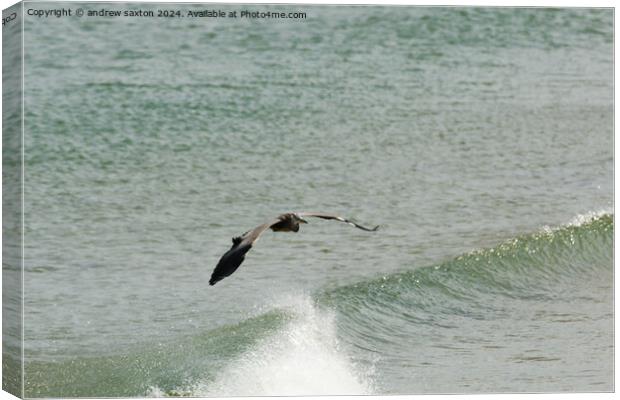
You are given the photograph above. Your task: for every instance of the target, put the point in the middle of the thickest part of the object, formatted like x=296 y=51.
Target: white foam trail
x=304 y=358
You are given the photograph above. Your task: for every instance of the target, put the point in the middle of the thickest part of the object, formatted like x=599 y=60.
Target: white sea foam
x=588 y=217
x=304 y=358
x=580 y=219
x=154 y=391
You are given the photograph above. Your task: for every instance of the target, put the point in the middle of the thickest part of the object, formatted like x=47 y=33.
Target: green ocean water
x=480 y=139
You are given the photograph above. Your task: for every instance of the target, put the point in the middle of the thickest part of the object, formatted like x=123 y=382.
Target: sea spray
x=303 y=358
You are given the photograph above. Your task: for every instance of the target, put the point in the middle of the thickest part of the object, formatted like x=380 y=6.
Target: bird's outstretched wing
x=232 y=259
x=337 y=218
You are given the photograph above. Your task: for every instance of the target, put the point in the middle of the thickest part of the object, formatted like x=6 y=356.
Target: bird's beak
x=303 y=221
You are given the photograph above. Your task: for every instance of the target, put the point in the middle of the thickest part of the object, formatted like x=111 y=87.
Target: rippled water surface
x=479 y=139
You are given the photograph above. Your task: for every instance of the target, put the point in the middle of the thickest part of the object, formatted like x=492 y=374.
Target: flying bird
x=289 y=222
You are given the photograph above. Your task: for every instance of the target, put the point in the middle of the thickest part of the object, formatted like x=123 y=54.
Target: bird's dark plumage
x=230 y=261
x=289 y=222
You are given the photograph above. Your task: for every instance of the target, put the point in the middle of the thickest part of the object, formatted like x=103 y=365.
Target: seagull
x=288 y=222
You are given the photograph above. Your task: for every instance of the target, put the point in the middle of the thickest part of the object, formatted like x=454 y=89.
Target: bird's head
x=299 y=219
